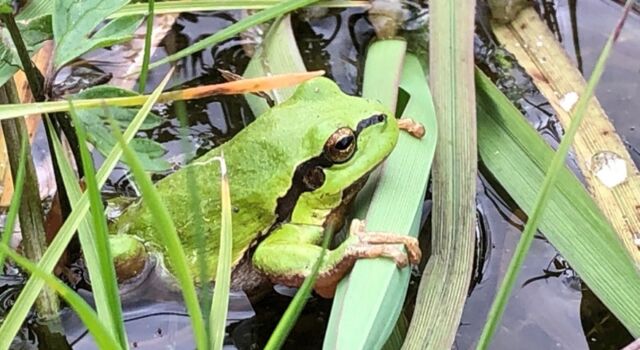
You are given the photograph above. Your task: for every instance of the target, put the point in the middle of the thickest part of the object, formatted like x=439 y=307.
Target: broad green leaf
x=12 y=322
x=94 y=120
x=365 y=310
x=74 y=23
x=122 y=115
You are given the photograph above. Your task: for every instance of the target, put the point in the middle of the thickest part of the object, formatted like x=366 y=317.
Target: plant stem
x=36 y=84
x=147 y=49
x=30 y=213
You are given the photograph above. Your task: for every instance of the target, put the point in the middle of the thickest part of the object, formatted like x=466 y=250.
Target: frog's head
x=347 y=138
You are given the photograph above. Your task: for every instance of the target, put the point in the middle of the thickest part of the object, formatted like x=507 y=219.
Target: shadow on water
x=550 y=308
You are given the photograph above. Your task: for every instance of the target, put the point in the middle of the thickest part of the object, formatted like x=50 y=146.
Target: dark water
x=550 y=308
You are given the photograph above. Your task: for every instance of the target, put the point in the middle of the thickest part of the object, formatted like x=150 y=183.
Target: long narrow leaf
x=166 y=230
x=11 y=324
x=365 y=310
x=499 y=304
x=99 y=286
x=14 y=206
x=104 y=339
x=220 y=302
x=100 y=232
x=223 y=5
x=9 y=111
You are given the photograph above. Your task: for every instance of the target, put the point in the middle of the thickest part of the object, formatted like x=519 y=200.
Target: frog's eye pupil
x=344 y=143
x=340 y=146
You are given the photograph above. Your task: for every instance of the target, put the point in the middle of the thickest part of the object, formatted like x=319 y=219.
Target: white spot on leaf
x=568 y=100
x=609 y=168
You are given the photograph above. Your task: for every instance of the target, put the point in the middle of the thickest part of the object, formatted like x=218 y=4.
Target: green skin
x=261 y=161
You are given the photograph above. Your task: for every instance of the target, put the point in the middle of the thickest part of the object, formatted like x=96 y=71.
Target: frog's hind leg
x=287 y=255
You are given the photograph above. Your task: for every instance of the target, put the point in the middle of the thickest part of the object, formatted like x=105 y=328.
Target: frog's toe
x=365 y=250
x=411 y=244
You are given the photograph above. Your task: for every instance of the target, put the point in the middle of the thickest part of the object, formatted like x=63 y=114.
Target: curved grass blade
x=101 y=240
x=500 y=302
x=104 y=339
x=12 y=322
x=10 y=221
x=270 y=13
x=9 y=111
x=220 y=301
x=166 y=230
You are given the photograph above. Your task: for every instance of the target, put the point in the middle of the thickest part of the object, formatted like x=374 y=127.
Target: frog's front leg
x=287 y=255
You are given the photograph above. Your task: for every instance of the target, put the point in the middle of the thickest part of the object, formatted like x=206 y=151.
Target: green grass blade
x=290 y=316
x=103 y=338
x=365 y=310
x=14 y=205
x=166 y=230
x=270 y=13
x=32 y=288
x=220 y=301
x=99 y=286
x=101 y=240
x=499 y=304
x=147 y=47
x=223 y=5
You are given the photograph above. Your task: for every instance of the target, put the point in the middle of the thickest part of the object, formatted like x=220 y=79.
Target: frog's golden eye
x=340 y=146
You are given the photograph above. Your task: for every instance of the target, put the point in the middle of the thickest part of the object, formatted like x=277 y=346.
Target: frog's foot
x=368 y=245
x=411 y=126
x=384 y=242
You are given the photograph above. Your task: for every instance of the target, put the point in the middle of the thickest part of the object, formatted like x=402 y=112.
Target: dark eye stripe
x=374 y=119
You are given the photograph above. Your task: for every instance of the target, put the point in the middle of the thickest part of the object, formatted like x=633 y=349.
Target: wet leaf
x=122 y=115
x=74 y=23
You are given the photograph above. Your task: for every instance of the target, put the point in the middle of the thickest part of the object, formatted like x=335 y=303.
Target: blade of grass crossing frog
x=277 y=54
x=100 y=234
x=12 y=322
x=365 y=310
x=102 y=336
x=270 y=13
x=198 y=220
x=518 y=157
x=557 y=163
x=220 y=301
x=9 y=111
x=14 y=205
x=99 y=286
x=167 y=231
x=290 y=316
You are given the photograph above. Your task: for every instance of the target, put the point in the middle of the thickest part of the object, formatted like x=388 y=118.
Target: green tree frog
x=292 y=172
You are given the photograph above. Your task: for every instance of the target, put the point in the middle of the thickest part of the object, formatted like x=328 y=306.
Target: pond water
x=550 y=308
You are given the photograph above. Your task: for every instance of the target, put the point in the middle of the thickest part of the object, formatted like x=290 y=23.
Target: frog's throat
x=337 y=216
